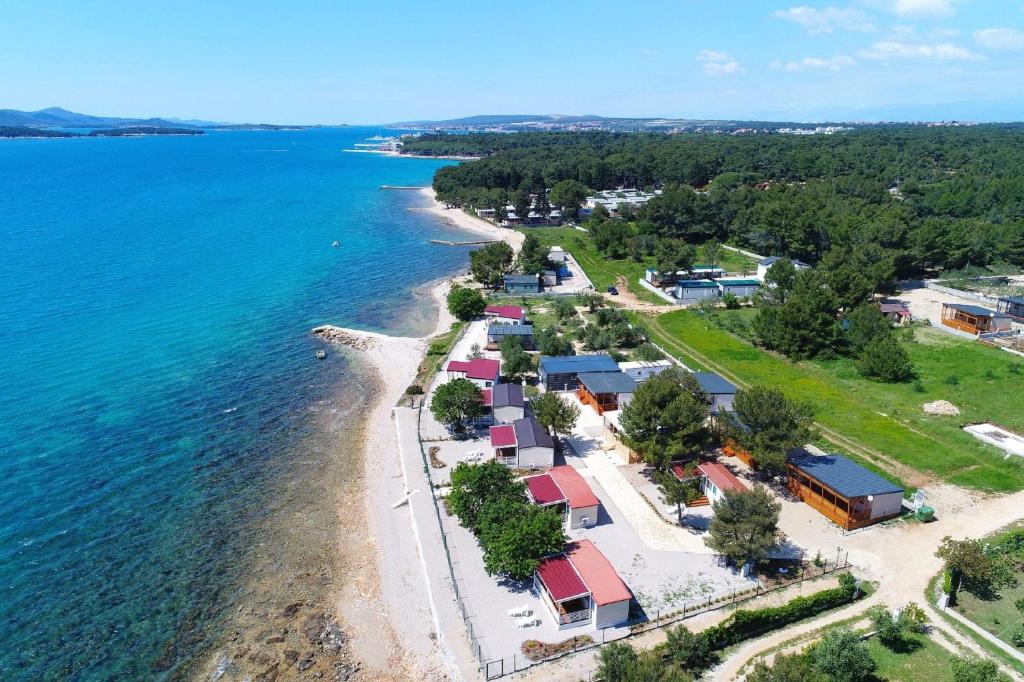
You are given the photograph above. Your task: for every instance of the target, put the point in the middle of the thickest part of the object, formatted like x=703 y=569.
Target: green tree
x=521 y=202
x=982 y=570
x=515 y=362
x=712 y=251
x=665 y=419
x=489 y=264
x=779 y=281
x=692 y=652
x=554 y=413
x=745 y=525
x=805 y=326
x=787 y=668
x=865 y=324
x=843 y=656
x=533 y=258
x=473 y=486
x=456 y=402
x=648 y=352
x=616 y=662
x=974 y=669
x=885 y=359
x=565 y=309
x=465 y=303
x=892 y=627
x=569 y=196
x=768 y=425
x=673 y=255
x=516 y=549
x=677 y=492
x=549 y=342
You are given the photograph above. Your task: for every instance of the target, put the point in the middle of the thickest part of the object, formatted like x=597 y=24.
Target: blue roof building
x=561 y=373
x=845 y=492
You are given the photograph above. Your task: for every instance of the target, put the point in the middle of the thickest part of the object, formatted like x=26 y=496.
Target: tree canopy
x=768 y=425
x=665 y=419
x=456 y=402
x=465 y=303
x=745 y=525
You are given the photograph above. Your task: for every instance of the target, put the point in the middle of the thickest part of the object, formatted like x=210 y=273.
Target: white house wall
x=536 y=457
x=576 y=517
x=886 y=505
x=610 y=615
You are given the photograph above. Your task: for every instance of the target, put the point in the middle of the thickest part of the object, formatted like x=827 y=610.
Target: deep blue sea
x=161 y=406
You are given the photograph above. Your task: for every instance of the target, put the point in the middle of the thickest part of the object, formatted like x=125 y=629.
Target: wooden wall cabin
x=843 y=491
x=605 y=391
x=1012 y=306
x=733 y=449
x=973 y=319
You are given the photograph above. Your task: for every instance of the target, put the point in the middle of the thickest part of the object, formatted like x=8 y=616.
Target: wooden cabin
x=605 y=391
x=733 y=449
x=1012 y=306
x=843 y=491
x=973 y=319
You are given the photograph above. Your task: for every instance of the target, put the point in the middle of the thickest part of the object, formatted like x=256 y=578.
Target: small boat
x=321 y=354
x=335 y=243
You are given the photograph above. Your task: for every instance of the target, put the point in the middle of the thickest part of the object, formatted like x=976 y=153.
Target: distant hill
x=55 y=117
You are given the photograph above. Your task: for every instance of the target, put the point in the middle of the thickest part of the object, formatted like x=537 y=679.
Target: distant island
x=128 y=131
x=58 y=122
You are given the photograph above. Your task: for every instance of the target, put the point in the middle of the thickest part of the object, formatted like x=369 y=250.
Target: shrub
x=1018 y=636
x=1014 y=368
x=918 y=386
x=953 y=380
x=536 y=650
x=465 y=304
x=843 y=656
x=414 y=389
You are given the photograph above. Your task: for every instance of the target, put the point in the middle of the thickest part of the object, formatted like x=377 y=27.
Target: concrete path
x=1011 y=651
x=457 y=652
x=603 y=466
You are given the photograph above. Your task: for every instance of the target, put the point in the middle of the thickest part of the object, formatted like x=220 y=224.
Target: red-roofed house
x=716 y=479
x=581 y=587
x=511 y=313
x=483 y=372
x=563 y=489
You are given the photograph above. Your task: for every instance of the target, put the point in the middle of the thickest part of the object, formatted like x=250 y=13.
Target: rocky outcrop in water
x=342 y=336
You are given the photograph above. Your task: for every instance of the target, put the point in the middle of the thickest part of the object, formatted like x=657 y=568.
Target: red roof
x=576 y=490
x=723 y=479
x=512 y=312
x=543 y=490
x=477 y=368
x=597 y=573
x=488 y=398
x=560 y=578
x=503 y=436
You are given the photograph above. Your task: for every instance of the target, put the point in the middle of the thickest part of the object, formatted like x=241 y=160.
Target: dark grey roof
x=507 y=395
x=607 y=382
x=843 y=475
x=566 y=364
x=530 y=434
x=521 y=279
x=714 y=384
x=509 y=329
x=772 y=260
x=1013 y=299
x=973 y=309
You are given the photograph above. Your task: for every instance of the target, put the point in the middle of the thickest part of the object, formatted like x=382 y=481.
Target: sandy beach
x=458 y=218
x=381 y=601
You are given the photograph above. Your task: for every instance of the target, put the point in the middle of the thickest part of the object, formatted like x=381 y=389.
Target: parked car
x=614 y=291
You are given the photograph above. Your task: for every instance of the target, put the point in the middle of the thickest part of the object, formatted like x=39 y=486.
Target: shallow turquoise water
x=157 y=370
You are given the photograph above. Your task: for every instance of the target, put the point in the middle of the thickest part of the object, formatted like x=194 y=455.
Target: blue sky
x=371 y=62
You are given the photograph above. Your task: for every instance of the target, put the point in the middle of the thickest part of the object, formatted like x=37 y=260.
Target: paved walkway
x=1011 y=651
x=603 y=466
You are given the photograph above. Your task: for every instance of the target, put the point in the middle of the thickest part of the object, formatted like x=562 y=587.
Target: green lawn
x=603 y=272
x=920 y=658
x=880 y=422
x=995 y=613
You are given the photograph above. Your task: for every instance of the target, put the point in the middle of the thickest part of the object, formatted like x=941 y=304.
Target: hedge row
x=744 y=623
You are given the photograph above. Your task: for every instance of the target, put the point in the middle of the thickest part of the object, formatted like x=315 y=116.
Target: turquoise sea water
x=158 y=379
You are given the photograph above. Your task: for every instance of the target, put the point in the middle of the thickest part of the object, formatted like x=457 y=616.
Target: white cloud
x=718 y=63
x=833 y=63
x=827 y=19
x=938 y=51
x=945 y=32
x=1000 y=38
x=922 y=8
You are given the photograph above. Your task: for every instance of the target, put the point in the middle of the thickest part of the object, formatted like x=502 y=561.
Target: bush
x=886 y=360
x=953 y=380
x=536 y=650
x=843 y=656
x=730 y=301
x=414 y=389
x=1018 y=637
x=465 y=304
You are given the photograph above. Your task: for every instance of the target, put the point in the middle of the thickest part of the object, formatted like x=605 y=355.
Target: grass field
x=604 y=272
x=919 y=658
x=879 y=422
x=998 y=614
